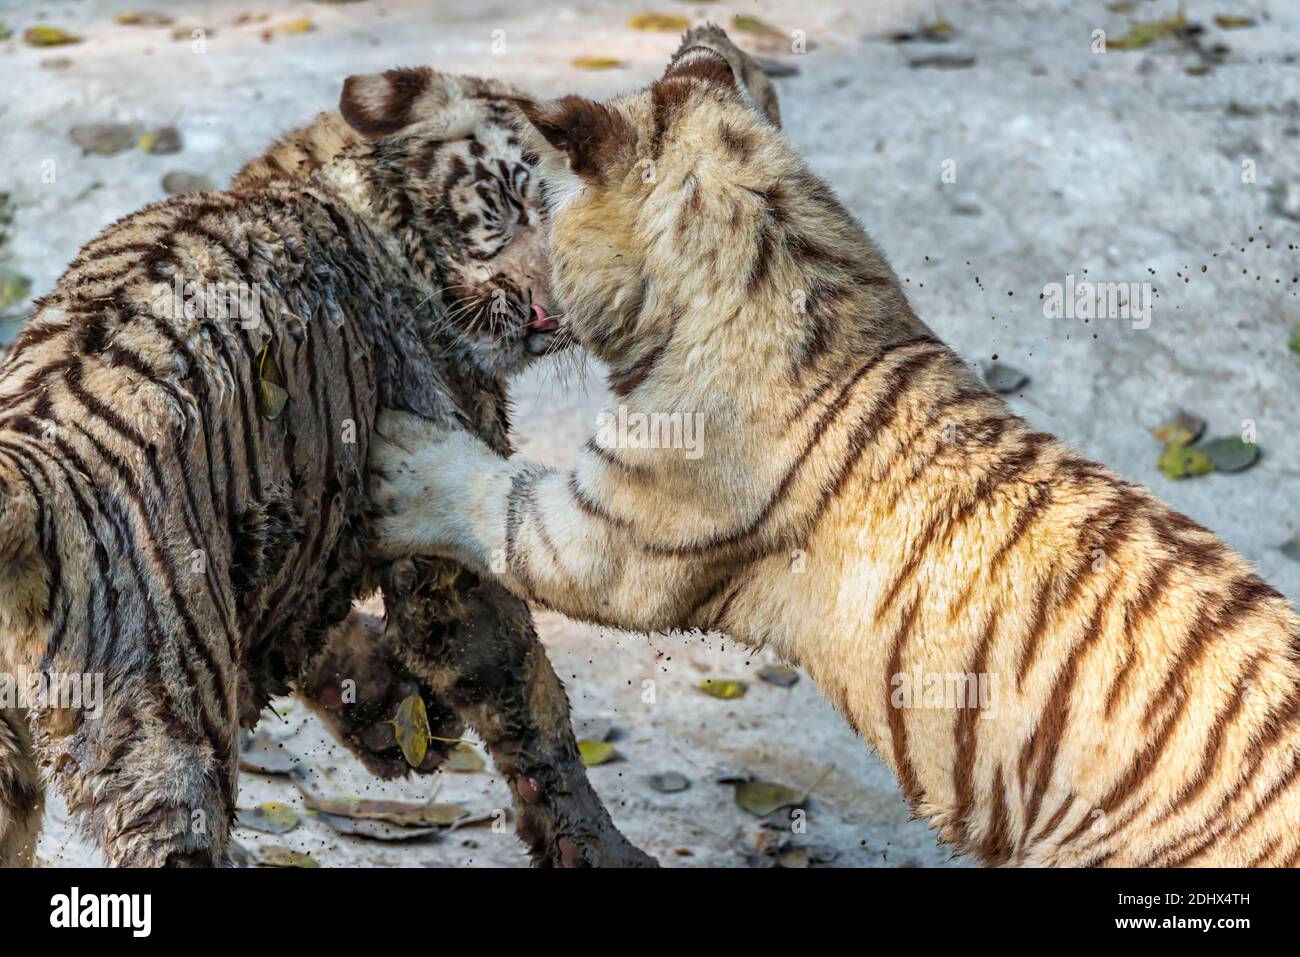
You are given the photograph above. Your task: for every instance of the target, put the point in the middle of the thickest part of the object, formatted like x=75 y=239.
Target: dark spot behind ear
x=379 y=104
x=592 y=134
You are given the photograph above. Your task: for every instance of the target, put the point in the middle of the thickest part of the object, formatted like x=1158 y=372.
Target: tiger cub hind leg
x=149 y=789
x=356 y=685
x=22 y=792
x=474 y=644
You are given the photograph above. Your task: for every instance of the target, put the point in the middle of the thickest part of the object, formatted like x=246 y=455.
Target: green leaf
x=1226 y=21
x=596 y=752
x=411 y=725
x=1178 y=461
x=747 y=23
x=1143 y=34
x=1294 y=343
x=727 y=688
x=49 y=37
x=14 y=288
x=272 y=817
x=1231 y=454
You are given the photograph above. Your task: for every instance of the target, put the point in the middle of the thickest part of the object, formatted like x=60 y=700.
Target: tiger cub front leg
x=22 y=792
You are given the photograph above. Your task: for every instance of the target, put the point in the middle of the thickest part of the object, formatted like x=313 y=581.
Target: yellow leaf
x=595 y=752
x=1177 y=461
x=662 y=22
x=412 y=728
x=723 y=688
x=597 y=63
x=49 y=37
x=300 y=25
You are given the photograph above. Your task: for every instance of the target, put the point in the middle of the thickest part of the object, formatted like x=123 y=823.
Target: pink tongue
x=541 y=321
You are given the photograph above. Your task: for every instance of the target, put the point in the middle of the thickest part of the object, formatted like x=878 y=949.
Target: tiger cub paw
x=421 y=476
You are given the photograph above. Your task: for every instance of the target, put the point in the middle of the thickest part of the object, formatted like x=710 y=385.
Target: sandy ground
x=1122 y=166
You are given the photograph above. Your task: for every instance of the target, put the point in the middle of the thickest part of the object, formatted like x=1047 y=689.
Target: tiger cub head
x=684 y=201
x=448 y=175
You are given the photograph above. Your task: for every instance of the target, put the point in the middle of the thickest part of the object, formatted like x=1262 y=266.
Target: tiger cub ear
x=709 y=54
x=591 y=135
x=380 y=104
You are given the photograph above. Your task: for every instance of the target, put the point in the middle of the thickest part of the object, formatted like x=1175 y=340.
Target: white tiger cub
x=861 y=503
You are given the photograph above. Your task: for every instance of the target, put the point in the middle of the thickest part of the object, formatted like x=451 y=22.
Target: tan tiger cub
x=862 y=504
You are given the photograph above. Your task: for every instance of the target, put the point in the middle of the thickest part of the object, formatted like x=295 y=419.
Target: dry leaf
x=670 y=782
x=272 y=817
x=411 y=725
x=272 y=398
x=660 y=22
x=103 y=139
x=263 y=754
x=375 y=830
x=597 y=63
x=177 y=182
x=762 y=798
x=402 y=813
x=1183 y=428
x=283 y=857
x=464 y=759
x=780 y=675
x=142 y=18
x=160 y=142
